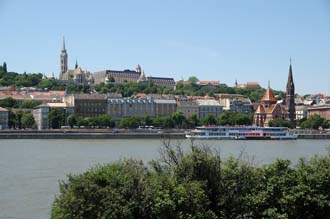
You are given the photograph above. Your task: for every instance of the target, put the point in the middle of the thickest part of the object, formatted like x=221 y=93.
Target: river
x=30 y=169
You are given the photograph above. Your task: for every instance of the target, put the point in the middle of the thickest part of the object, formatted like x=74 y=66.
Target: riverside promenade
x=124 y=134
x=90 y=134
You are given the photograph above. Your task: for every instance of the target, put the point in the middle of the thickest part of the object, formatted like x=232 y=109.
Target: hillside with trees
x=127 y=89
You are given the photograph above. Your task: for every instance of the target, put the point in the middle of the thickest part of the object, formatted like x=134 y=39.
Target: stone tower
x=64 y=60
x=289 y=99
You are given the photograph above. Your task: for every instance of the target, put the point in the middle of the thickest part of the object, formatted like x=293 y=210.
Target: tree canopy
x=56 y=118
x=199 y=184
x=279 y=122
x=314 y=122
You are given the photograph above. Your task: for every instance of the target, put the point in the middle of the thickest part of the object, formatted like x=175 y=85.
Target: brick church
x=269 y=109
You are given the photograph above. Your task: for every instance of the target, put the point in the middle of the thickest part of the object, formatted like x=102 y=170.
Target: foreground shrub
x=197 y=185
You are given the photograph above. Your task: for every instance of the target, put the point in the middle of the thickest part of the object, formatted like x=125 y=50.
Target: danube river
x=30 y=169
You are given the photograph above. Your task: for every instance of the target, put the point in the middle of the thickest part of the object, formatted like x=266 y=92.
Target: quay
x=88 y=134
x=120 y=134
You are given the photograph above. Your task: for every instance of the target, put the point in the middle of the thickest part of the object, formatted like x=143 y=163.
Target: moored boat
x=241 y=133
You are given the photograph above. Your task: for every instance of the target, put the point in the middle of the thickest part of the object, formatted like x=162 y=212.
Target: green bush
x=198 y=184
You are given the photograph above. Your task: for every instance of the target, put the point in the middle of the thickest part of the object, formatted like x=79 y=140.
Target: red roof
x=268 y=96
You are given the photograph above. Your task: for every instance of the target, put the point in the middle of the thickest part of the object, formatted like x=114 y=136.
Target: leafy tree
x=314 y=122
x=193 y=121
x=18 y=119
x=279 y=122
x=198 y=184
x=234 y=118
x=8 y=102
x=72 y=120
x=226 y=118
x=56 y=118
x=29 y=104
x=209 y=120
x=148 y=120
x=105 y=121
x=243 y=119
x=11 y=119
x=132 y=122
x=28 y=120
x=82 y=122
x=193 y=79
x=164 y=122
x=178 y=119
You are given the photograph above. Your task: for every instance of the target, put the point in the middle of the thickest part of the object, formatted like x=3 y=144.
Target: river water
x=30 y=169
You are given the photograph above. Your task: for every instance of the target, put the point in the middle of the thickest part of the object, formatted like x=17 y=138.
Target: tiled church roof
x=268 y=96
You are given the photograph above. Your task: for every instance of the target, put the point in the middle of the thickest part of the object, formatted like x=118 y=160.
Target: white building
x=208 y=107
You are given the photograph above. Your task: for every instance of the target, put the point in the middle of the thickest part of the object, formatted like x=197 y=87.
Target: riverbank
x=88 y=134
x=114 y=134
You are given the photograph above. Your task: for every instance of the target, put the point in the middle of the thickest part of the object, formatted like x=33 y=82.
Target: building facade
x=163 y=82
x=40 y=115
x=321 y=110
x=4 y=114
x=124 y=107
x=208 y=107
x=249 y=85
x=188 y=108
x=125 y=76
x=87 y=105
x=301 y=112
x=41 y=112
x=235 y=102
x=164 y=107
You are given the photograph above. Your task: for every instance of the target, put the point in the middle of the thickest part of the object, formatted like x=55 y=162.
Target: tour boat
x=241 y=133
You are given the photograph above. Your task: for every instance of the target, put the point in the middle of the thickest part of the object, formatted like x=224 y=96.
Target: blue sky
x=210 y=39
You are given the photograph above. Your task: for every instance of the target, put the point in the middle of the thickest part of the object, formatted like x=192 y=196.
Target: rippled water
x=30 y=169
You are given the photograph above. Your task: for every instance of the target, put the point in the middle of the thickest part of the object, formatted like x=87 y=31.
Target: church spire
x=64 y=60
x=289 y=98
x=63 y=44
x=76 y=66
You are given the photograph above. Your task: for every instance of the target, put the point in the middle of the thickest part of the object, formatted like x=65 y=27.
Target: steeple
x=64 y=60
x=290 y=84
x=142 y=77
x=76 y=66
x=63 y=49
x=289 y=98
x=138 y=69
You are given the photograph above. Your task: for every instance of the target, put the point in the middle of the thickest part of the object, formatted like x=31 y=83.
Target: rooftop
x=3 y=109
x=90 y=96
x=207 y=102
x=268 y=96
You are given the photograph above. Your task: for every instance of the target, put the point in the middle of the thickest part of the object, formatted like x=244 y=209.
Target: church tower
x=64 y=60
x=289 y=99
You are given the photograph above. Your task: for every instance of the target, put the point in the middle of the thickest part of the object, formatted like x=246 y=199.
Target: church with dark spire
x=269 y=109
x=76 y=75
x=289 y=99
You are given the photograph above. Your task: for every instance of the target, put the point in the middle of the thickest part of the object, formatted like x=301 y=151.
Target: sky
x=210 y=39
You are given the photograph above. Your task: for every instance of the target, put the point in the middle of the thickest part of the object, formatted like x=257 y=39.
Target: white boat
x=241 y=133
